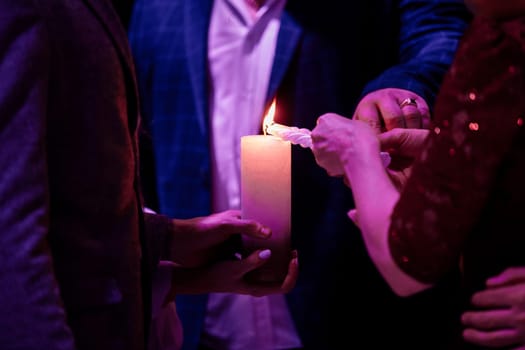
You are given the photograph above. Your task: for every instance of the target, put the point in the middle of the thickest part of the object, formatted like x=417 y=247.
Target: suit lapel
x=197 y=15
x=287 y=41
x=111 y=22
x=196 y=20
x=109 y=19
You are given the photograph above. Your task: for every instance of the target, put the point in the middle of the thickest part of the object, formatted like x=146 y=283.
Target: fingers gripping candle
x=266 y=197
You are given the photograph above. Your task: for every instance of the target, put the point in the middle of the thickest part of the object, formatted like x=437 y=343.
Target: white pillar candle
x=266 y=197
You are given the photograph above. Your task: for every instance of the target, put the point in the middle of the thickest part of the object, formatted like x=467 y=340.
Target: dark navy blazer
x=327 y=58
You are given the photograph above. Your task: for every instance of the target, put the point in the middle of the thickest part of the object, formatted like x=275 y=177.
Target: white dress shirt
x=242 y=43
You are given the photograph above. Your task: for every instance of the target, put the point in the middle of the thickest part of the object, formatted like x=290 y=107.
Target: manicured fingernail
x=265 y=254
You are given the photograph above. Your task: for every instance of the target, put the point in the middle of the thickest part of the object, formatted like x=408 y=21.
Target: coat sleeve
x=31 y=309
x=158 y=237
x=428 y=37
x=462 y=167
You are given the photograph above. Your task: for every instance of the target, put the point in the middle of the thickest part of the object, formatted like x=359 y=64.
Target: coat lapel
x=197 y=15
x=111 y=22
x=196 y=20
x=109 y=19
x=287 y=41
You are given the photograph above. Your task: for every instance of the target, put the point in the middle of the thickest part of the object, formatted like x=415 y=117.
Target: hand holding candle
x=266 y=190
x=298 y=136
x=302 y=138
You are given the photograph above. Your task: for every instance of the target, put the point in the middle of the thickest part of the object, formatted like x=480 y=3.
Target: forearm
x=428 y=37
x=375 y=197
x=173 y=240
x=159 y=237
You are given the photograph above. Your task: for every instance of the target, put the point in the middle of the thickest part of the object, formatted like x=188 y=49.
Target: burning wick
x=297 y=136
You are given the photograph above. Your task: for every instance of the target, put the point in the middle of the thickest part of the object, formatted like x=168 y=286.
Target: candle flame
x=268 y=118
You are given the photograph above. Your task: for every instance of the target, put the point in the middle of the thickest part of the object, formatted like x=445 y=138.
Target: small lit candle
x=299 y=136
x=266 y=197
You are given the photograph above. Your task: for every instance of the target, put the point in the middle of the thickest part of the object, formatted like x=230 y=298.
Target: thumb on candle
x=255 y=259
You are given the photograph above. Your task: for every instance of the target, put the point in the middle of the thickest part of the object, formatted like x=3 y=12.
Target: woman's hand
x=228 y=276
x=340 y=144
x=403 y=145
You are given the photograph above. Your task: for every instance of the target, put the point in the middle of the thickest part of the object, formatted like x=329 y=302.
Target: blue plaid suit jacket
x=326 y=59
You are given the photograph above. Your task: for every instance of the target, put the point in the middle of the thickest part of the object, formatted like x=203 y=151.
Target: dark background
x=123 y=8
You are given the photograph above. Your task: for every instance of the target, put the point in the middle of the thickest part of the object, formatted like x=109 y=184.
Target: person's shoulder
x=13 y=6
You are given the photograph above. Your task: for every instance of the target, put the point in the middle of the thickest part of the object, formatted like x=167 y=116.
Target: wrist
x=176 y=228
x=366 y=163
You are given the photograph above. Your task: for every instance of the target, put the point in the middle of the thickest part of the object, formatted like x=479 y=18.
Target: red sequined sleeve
x=478 y=113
